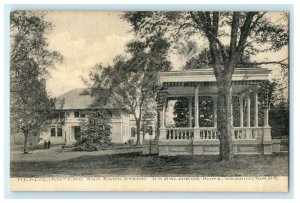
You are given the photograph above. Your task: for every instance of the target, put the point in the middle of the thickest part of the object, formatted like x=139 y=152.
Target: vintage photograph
x=149 y=101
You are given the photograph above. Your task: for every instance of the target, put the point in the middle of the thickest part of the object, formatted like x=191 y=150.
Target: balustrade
x=247 y=133
x=180 y=133
x=211 y=133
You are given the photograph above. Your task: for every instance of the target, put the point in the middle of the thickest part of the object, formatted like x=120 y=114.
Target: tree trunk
x=224 y=120
x=157 y=124
x=138 y=133
x=26 y=143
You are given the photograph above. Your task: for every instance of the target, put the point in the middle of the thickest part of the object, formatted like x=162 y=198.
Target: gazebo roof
x=207 y=75
x=183 y=82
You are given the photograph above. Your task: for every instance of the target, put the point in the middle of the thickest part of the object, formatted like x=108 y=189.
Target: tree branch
x=266 y=62
x=234 y=31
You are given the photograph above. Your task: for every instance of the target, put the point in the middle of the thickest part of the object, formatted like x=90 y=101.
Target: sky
x=86 y=38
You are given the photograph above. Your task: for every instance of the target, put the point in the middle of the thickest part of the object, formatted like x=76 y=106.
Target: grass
x=134 y=164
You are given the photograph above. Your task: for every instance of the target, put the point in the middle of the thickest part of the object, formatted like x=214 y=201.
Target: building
x=72 y=108
x=248 y=137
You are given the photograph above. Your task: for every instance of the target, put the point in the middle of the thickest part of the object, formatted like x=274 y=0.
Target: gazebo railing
x=247 y=133
x=179 y=133
x=211 y=133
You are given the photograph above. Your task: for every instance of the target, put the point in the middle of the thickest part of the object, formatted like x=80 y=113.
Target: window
x=52 y=132
x=109 y=114
x=107 y=131
x=132 y=132
x=150 y=130
x=77 y=133
x=82 y=115
x=76 y=114
x=62 y=114
x=59 y=132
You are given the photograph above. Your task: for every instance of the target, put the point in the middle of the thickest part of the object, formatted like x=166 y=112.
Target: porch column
x=266 y=116
x=248 y=111
x=231 y=106
x=196 y=127
x=255 y=109
x=267 y=139
x=231 y=113
x=196 y=107
x=162 y=129
x=162 y=125
x=190 y=112
x=215 y=98
x=241 y=111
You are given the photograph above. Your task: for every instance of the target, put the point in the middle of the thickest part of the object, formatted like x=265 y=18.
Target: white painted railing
x=248 y=133
x=179 y=133
x=209 y=133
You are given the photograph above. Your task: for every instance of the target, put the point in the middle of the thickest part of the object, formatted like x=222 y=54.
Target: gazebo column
x=231 y=114
x=162 y=129
x=163 y=116
x=190 y=112
x=248 y=111
x=231 y=107
x=197 y=107
x=248 y=130
x=267 y=140
x=255 y=109
x=241 y=111
x=266 y=116
x=197 y=127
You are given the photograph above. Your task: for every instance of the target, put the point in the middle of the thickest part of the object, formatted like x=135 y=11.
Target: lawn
x=134 y=164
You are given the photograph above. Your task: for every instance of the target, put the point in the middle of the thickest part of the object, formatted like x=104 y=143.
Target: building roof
x=183 y=83
x=81 y=98
x=207 y=75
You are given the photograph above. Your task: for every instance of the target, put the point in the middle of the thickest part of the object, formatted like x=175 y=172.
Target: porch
x=195 y=134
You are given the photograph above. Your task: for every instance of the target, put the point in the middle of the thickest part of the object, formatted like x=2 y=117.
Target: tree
x=31 y=107
x=181 y=112
x=230 y=37
x=95 y=130
x=131 y=82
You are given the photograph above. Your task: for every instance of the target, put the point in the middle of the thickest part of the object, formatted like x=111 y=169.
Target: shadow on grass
x=134 y=164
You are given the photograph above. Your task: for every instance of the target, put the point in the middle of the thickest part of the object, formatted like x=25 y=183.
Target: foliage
x=95 y=130
x=279 y=120
x=130 y=83
x=30 y=61
x=231 y=39
x=181 y=112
